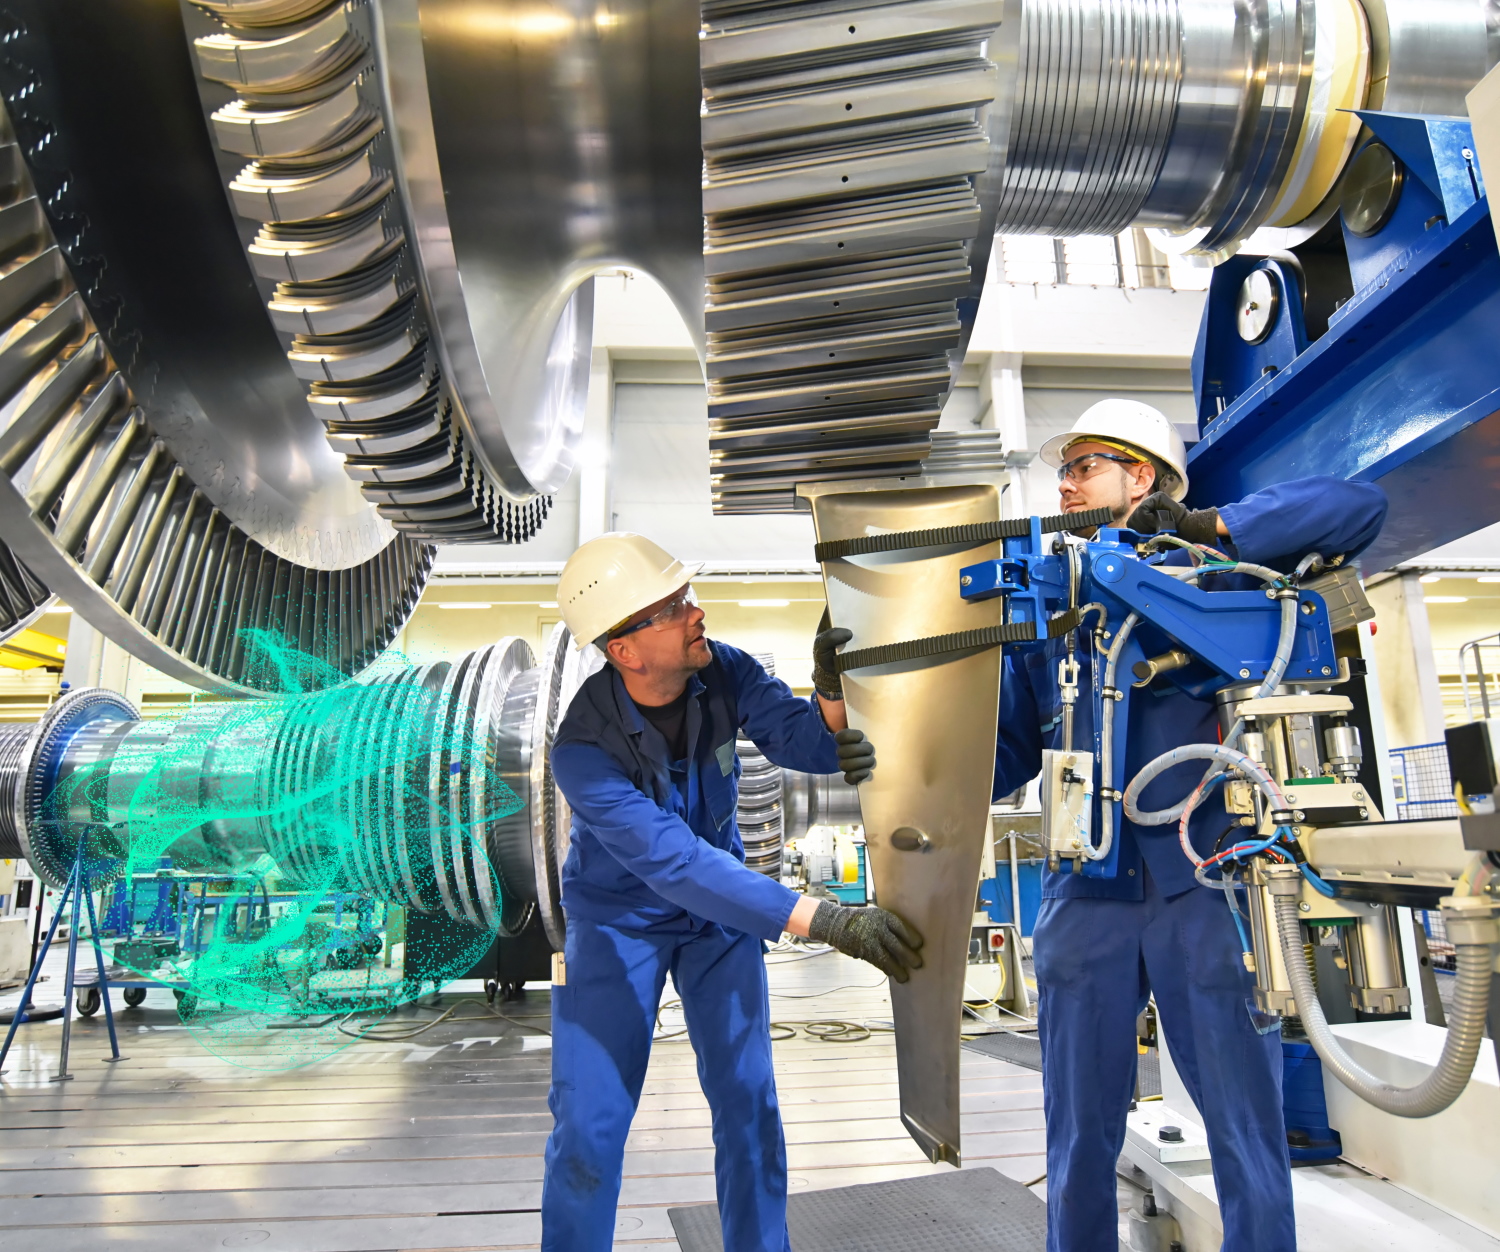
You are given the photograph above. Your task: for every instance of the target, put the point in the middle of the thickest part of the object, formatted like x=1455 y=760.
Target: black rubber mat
x=1009 y=1045
x=1026 y=1050
x=965 y=1210
x=1148 y=1073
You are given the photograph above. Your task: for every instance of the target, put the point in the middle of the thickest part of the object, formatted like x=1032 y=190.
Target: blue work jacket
x=655 y=845
x=1276 y=527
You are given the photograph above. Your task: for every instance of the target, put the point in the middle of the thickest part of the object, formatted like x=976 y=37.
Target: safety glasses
x=1081 y=468
x=673 y=611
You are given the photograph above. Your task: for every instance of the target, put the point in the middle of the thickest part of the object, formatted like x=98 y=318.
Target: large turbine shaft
x=423 y=786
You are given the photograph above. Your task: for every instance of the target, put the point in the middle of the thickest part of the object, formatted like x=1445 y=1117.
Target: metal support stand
x=77 y=892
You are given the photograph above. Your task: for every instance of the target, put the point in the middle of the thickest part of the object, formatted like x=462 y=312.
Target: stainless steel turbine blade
x=932 y=722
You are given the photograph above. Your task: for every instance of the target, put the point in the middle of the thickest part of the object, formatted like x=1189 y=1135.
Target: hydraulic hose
x=1106 y=742
x=1219 y=754
x=1448 y=1078
x=1285 y=639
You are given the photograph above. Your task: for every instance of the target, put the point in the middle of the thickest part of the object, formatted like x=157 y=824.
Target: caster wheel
x=135 y=997
x=512 y=991
x=88 y=1001
x=491 y=989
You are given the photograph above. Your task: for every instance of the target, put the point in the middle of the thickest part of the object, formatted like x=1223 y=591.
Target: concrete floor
x=434 y=1143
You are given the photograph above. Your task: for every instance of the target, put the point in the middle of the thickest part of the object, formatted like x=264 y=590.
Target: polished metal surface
x=354 y=251
x=1153 y=112
x=1372 y=189
x=1426 y=55
x=760 y=810
x=1208 y=119
x=1096 y=88
x=12 y=773
x=95 y=506
x=1255 y=311
x=562 y=670
x=841 y=151
x=817 y=800
x=479 y=727
x=77 y=712
x=926 y=808
x=126 y=175
x=568 y=142
x=451 y=855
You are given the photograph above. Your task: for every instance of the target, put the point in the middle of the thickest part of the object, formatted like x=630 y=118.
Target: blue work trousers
x=602 y=1022
x=1096 y=963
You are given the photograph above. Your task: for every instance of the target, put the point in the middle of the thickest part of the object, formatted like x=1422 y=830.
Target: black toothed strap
x=959 y=641
x=970 y=535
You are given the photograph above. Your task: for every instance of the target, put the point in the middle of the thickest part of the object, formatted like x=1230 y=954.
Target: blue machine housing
x=1232 y=634
x=1403 y=389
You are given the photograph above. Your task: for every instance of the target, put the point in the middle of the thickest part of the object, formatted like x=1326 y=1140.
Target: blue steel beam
x=1404 y=388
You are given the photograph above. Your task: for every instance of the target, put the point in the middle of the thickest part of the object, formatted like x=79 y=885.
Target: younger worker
x=656 y=882
x=1104 y=945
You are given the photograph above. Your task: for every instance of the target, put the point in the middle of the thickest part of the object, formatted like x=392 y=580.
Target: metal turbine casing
x=933 y=724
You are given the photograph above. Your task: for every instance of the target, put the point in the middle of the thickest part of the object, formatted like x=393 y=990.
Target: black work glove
x=872 y=934
x=1158 y=512
x=856 y=755
x=825 y=675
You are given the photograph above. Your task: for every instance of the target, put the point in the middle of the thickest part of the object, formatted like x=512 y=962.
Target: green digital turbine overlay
x=272 y=859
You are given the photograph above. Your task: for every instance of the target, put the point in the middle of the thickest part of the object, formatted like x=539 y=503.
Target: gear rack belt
x=959 y=641
x=969 y=536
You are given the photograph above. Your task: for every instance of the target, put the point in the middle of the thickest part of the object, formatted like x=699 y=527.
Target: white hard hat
x=614 y=577
x=1138 y=427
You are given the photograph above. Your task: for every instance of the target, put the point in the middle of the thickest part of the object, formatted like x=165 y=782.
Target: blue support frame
x=1404 y=388
x=1232 y=634
x=77 y=891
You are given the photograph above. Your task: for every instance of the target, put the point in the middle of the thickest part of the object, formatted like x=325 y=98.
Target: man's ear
x=621 y=654
x=1143 y=482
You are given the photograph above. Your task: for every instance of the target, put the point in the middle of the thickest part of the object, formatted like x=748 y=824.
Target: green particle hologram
x=296 y=842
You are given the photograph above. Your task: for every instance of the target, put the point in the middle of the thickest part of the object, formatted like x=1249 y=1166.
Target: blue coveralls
x=1104 y=945
x=656 y=882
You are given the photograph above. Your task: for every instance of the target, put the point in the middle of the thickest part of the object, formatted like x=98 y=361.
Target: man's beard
x=695 y=658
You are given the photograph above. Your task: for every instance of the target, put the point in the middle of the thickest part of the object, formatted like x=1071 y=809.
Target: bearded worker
x=655 y=883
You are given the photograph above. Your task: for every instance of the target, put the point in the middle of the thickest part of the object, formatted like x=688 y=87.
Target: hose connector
x=1470 y=921
x=1283 y=880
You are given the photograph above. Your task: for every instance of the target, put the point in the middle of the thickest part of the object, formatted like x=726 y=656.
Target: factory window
x=1126 y=260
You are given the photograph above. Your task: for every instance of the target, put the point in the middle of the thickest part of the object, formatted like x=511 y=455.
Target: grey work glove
x=825 y=675
x=872 y=934
x=856 y=755
x=1159 y=512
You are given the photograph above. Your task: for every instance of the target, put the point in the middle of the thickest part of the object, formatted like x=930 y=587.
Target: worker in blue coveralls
x=1102 y=946
x=655 y=882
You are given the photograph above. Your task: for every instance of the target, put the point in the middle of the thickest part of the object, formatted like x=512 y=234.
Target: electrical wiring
x=1234 y=912
x=829 y=1031
x=789 y=954
x=374 y=1031
x=813 y=995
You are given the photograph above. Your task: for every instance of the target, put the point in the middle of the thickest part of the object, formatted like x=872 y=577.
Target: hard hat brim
x=685 y=572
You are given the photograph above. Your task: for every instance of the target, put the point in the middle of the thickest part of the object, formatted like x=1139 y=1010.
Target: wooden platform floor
x=434 y=1143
